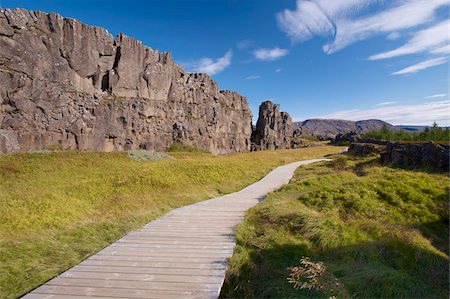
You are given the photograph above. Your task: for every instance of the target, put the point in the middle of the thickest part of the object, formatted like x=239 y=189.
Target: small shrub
x=314 y=276
x=311 y=137
x=177 y=147
x=54 y=147
x=9 y=169
x=144 y=156
x=339 y=164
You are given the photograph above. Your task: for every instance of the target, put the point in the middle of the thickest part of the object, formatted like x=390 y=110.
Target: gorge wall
x=68 y=85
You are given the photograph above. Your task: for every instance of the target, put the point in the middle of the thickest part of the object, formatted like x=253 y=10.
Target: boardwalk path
x=180 y=255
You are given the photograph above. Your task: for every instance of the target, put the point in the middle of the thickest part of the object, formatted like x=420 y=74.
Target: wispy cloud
x=442 y=50
x=278 y=70
x=421 y=66
x=418 y=114
x=270 y=54
x=211 y=66
x=317 y=17
x=431 y=38
x=245 y=44
x=349 y=21
x=439 y=95
x=393 y=35
x=386 y=103
x=253 y=77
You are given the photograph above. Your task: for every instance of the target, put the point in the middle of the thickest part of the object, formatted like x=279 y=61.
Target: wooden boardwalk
x=180 y=255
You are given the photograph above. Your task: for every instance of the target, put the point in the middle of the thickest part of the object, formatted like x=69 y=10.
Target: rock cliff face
x=68 y=85
x=273 y=129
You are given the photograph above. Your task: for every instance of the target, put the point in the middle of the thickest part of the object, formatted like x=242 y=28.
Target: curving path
x=180 y=255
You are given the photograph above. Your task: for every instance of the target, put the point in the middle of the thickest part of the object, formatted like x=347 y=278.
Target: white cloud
x=253 y=77
x=348 y=22
x=418 y=114
x=307 y=21
x=442 y=50
x=386 y=103
x=317 y=17
x=278 y=70
x=428 y=39
x=270 y=54
x=421 y=66
x=393 y=35
x=212 y=66
x=439 y=95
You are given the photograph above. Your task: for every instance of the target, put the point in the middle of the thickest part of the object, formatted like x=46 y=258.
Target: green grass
x=379 y=232
x=58 y=208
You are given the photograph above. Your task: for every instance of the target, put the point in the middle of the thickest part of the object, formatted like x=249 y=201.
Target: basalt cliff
x=67 y=85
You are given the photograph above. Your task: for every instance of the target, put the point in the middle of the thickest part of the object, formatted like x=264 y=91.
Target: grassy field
x=347 y=228
x=58 y=208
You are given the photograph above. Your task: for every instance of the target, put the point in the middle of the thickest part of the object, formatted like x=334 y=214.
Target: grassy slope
x=57 y=209
x=381 y=232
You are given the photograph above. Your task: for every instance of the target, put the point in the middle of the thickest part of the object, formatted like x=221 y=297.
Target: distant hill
x=329 y=128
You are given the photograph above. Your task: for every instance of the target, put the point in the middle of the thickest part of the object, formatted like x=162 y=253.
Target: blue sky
x=349 y=59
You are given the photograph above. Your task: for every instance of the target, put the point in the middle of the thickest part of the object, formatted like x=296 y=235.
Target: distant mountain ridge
x=329 y=128
x=413 y=128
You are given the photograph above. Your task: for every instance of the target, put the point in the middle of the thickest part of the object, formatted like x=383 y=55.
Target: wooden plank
x=120 y=293
x=178 y=236
x=169 y=251
x=148 y=259
x=213 y=236
x=191 y=227
x=140 y=270
x=138 y=285
x=153 y=264
x=54 y=296
x=165 y=254
x=194 y=231
x=173 y=242
x=168 y=246
x=143 y=277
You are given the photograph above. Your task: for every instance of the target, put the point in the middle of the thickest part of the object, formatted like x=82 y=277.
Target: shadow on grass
x=437 y=232
x=389 y=268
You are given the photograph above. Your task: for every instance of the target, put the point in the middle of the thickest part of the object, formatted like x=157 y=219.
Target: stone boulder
x=364 y=149
x=346 y=138
x=64 y=84
x=417 y=155
x=273 y=129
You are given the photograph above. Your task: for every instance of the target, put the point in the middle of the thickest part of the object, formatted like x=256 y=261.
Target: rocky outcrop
x=329 y=128
x=346 y=138
x=65 y=84
x=364 y=149
x=417 y=155
x=273 y=129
